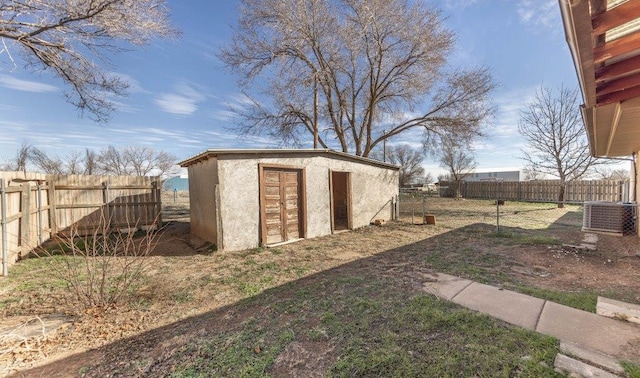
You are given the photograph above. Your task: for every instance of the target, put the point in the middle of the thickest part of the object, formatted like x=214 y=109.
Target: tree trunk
x=561 y=196
x=458 y=194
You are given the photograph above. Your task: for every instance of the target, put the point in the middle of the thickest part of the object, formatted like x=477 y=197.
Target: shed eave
x=221 y=153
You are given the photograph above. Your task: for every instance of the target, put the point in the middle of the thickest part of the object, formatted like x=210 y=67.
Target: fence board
x=543 y=190
x=38 y=206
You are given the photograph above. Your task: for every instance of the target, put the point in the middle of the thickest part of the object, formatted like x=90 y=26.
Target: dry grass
x=182 y=282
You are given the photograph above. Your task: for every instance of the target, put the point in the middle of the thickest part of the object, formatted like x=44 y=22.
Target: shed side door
x=340 y=192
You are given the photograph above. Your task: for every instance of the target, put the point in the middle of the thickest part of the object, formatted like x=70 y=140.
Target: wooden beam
x=597 y=6
x=623 y=67
x=617 y=113
x=618 y=85
x=615 y=17
x=623 y=45
x=619 y=96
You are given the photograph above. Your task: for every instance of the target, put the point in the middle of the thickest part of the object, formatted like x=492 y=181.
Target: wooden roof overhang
x=604 y=39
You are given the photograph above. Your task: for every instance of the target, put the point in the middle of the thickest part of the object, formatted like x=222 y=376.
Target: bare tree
x=409 y=159
x=345 y=70
x=428 y=178
x=20 y=160
x=530 y=174
x=557 y=142
x=111 y=162
x=606 y=173
x=45 y=163
x=135 y=160
x=145 y=160
x=73 y=163
x=457 y=157
x=69 y=37
x=90 y=162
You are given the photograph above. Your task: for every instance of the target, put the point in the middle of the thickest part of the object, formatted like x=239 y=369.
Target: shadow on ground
x=175 y=239
x=305 y=327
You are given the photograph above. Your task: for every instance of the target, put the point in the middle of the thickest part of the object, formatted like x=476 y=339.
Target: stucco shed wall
x=203 y=177
x=372 y=190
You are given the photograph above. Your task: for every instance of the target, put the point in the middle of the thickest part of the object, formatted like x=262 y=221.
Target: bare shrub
x=101 y=268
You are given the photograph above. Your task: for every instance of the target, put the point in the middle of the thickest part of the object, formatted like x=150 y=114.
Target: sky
x=180 y=95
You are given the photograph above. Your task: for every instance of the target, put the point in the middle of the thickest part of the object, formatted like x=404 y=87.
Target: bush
x=102 y=268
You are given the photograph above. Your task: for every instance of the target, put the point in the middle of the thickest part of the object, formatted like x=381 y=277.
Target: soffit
x=604 y=38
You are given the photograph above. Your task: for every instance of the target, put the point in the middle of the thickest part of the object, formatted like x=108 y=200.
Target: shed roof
x=604 y=39
x=247 y=153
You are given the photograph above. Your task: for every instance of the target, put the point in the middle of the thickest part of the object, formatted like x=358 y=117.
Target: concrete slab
x=618 y=310
x=590 y=331
x=595 y=358
x=571 y=365
x=515 y=308
x=444 y=285
x=33 y=327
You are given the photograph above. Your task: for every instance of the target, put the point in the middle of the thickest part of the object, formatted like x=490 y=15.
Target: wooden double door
x=281 y=204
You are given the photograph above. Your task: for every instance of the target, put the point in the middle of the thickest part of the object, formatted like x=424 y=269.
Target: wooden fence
x=542 y=190
x=33 y=207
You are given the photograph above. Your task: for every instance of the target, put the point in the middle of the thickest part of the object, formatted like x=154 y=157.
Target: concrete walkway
x=581 y=330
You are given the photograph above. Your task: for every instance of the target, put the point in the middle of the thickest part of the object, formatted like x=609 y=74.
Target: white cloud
x=509 y=104
x=176 y=104
x=224 y=115
x=234 y=105
x=184 y=101
x=161 y=132
x=543 y=13
x=134 y=85
x=122 y=131
x=125 y=107
x=25 y=85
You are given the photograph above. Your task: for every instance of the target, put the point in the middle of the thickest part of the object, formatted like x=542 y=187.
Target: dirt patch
x=610 y=268
x=185 y=279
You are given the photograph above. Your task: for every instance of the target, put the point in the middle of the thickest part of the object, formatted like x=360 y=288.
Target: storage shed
x=246 y=198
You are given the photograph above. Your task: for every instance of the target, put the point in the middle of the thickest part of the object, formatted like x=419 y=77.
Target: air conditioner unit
x=609 y=217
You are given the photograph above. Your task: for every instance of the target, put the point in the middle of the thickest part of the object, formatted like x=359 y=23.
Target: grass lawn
x=349 y=304
x=349 y=325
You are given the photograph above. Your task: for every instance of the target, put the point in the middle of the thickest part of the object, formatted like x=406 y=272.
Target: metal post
x=413 y=208
x=3 y=223
x=424 y=209
x=498 y=214
x=175 y=195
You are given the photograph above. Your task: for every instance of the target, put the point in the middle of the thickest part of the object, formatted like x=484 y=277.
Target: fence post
x=157 y=192
x=53 y=223
x=107 y=208
x=39 y=204
x=3 y=223
x=25 y=218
